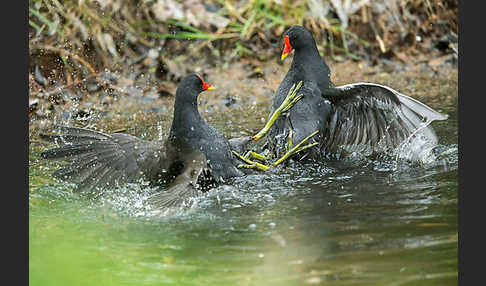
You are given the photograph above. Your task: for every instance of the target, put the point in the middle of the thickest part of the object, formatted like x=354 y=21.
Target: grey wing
x=194 y=179
x=376 y=118
x=103 y=160
x=221 y=159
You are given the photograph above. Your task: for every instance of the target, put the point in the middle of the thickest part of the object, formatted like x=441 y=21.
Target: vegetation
x=98 y=34
x=73 y=43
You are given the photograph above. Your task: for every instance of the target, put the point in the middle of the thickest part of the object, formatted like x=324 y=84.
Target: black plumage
x=194 y=157
x=360 y=117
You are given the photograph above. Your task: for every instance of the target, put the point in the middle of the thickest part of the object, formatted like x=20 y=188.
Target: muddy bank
x=142 y=104
x=107 y=50
x=93 y=35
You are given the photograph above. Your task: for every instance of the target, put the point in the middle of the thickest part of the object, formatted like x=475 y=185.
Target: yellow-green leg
x=289 y=101
x=297 y=148
x=255 y=155
x=250 y=164
x=290 y=151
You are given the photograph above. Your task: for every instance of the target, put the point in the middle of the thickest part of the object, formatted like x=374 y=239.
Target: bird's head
x=296 y=38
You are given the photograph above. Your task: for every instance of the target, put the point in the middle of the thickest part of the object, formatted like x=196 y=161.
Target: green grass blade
x=275 y=19
x=184 y=25
x=180 y=35
x=46 y=21
x=353 y=35
x=188 y=35
x=34 y=25
x=247 y=24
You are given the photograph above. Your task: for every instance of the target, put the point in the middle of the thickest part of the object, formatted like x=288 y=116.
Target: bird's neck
x=186 y=118
x=307 y=53
x=308 y=64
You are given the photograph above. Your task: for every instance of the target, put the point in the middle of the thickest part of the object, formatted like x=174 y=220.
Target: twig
x=377 y=36
x=70 y=85
x=66 y=53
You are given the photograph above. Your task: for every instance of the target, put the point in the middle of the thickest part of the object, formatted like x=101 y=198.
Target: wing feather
x=104 y=160
x=377 y=116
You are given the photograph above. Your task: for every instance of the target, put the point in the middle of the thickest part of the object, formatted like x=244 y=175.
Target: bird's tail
x=97 y=159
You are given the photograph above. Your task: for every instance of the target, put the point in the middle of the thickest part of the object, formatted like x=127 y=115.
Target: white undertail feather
x=419 y=145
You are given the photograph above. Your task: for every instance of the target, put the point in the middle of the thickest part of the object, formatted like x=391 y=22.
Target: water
x=338 y=223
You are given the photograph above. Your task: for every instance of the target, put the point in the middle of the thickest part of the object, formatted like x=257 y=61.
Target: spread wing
x=373 y=117
x=194 y=179
x=103 y=160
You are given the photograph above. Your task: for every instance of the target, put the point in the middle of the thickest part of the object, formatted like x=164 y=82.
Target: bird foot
x=297 y=148
x=255 y=155
x=291 y=151
x=250 y=164
x=288 y=102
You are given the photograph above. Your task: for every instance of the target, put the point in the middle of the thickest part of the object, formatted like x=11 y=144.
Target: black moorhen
x=360 y=117
x=193 y=158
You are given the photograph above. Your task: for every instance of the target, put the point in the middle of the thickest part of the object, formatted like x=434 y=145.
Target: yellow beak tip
x=211 y=88
x=284 y=56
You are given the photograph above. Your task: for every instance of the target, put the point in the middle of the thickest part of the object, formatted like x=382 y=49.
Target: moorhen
x=192 y=159
x=361 y=117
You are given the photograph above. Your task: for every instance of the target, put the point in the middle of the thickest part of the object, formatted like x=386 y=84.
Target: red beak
x=206 y=86
x=287 y=49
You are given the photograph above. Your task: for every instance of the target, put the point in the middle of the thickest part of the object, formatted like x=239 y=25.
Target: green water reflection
x=335 y=224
